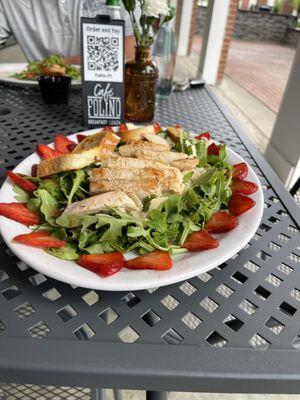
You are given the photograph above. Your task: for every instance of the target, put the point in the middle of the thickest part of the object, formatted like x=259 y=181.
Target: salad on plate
x=52 y=65
x=148 y=190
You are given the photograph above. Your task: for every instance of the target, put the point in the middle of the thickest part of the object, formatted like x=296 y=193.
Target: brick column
x=287 y=7
x=228 y=36
x=262 y=3
x=245 y=4
x=193 y=25
x=178 y=16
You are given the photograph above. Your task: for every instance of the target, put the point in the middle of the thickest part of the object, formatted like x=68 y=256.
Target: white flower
x=155 y=8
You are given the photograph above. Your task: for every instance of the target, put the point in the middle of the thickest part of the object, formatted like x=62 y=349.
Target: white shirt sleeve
x=5 y=31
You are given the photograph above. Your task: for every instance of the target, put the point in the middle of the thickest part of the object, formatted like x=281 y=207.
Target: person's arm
x=5 y=31
x=129 y=52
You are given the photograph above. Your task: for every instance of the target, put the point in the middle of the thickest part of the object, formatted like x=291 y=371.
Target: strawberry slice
x=203 y=135
x=157 y=127
x=34 y=170
x=107 y=129
x=22 y=182
x=104 y=264
x=80 y=137
x=41 y=239
x=200 y=240
x=158 y=260
x=20 y=213
x=221 y=221
x=244 y=187
x=45 y=152
x=213 y=150
x=71 y=146
x=239 y=204
x=178 y=126
x=62 y=144
x=123 y=127
x=240 y=171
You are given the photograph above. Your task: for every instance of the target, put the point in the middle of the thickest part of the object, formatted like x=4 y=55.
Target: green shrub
x=277 y=6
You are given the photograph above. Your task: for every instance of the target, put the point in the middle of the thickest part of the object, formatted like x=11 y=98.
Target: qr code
x=102 y=53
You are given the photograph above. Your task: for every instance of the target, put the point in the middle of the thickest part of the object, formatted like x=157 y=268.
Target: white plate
x=8 y=70
x=186 y=265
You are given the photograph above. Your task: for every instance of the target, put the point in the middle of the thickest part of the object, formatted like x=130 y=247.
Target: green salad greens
x=164 y=223
x=36 y=68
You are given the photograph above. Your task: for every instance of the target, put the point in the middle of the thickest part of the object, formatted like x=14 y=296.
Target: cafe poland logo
x=104 y=104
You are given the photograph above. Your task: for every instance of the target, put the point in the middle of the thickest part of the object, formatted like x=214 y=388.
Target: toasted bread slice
x=72 y=161
x=174 y=133
x=95 y=140
x=136 y=134
x=95 y=204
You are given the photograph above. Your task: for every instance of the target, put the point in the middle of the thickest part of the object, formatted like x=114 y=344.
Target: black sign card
x=102 y=72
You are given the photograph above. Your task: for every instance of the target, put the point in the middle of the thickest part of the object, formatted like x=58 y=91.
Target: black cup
x=55 y=89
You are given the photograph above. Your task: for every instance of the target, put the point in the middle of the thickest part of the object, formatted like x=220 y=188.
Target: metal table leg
x=98 y=394
x=156 y=395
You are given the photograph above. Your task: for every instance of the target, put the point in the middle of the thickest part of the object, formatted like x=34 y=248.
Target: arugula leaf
x=49 y=206
x=21 y=195
x=68 y=252
x=69 y=220
x=114 y=229
x=34 y=204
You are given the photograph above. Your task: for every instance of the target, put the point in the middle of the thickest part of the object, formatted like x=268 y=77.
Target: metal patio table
x=233 y=329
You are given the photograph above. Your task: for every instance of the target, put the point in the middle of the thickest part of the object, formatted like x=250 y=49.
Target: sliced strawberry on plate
x=71 y=146
x=239 y=204
x=243 y=187
x=157 y=127
x=123 y=127
x=203 y=135
x=221 y=221
x=240 y=171
x=80 y=137
x=41 y=239
x=104 y=264
x=19 y=213
x=22 y=182
x=213 y=150
x=200 y=240
x=34 y=170
x=62 y=144
x=45 y=152
x=178 y=126
x=158 y=260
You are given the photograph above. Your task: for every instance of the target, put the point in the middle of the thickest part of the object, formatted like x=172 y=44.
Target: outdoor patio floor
x=261 y=68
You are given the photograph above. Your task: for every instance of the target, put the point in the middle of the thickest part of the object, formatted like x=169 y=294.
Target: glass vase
x=140 y=86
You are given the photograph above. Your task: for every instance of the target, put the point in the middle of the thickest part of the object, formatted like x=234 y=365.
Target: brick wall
x=232 y=12
x=251 y=25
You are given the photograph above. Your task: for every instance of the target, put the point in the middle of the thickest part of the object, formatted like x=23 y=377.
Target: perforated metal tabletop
x=233 y=329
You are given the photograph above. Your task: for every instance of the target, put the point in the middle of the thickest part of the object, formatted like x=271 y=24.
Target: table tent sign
x=102 y=52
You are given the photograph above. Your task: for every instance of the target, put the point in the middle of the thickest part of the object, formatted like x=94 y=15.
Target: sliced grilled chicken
x=156 y=139
x=134 y=176
x=129 y=150
x=95 y=204
x=131 y=162
x=187 y=164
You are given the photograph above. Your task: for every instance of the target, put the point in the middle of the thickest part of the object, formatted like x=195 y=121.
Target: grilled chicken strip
x=157 y=152
x=95 y=204
x=133 y=176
